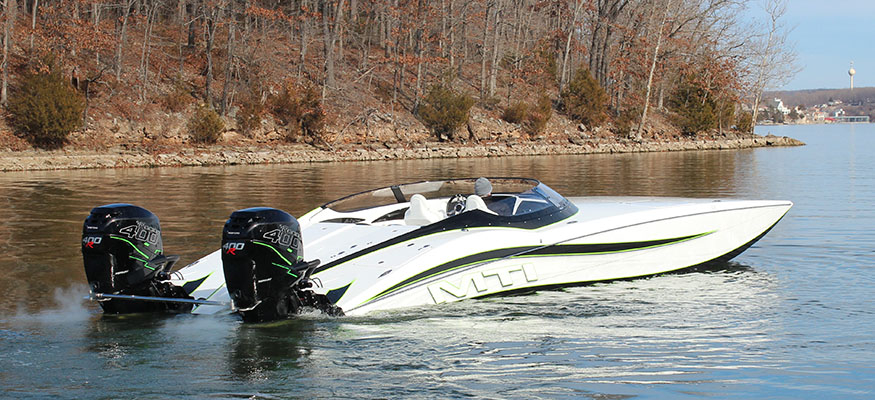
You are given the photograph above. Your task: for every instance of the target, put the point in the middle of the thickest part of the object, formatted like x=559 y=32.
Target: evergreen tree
x=45 y=109
x=584 y=100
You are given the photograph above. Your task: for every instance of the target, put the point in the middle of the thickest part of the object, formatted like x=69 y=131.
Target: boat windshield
x=510 y=196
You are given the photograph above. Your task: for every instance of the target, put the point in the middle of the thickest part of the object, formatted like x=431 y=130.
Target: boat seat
x=420 y=213
x=474 y=202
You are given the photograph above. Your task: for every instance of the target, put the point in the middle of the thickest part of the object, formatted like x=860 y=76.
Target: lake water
x=792 y=317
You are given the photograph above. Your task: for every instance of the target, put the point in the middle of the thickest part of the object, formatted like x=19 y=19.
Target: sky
x=828 y=35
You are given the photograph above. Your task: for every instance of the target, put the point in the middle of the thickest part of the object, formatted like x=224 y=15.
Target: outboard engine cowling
x=262 y=256
x=123 y=254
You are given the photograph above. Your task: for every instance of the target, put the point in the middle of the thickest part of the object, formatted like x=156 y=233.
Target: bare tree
x=212 y=14
x=151 y=10
x=606 y=20
x=490 y=11
x=332 y=13
x=653 y=64
x=229 y=68
x=773 y=54
x=496 y=47
x=33 y=22
x=126 y=12
x=572 y=27
x=9 y=12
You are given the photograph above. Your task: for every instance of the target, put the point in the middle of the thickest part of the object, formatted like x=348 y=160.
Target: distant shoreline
x=43 y=160
x=817 y=123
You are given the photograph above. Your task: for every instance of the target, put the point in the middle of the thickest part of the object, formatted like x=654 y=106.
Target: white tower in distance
x=851 y=73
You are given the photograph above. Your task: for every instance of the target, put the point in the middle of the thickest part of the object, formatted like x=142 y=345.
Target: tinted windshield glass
x=529 y=201
x=550 y=195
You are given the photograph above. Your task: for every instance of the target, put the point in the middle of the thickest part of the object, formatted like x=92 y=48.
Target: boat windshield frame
x=524 y=190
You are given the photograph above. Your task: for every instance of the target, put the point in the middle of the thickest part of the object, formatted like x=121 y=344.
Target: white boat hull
x=607 y=239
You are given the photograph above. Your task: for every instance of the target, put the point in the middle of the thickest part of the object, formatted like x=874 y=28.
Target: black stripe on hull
x=532 y=251
x=470 y=219
x=190 y=286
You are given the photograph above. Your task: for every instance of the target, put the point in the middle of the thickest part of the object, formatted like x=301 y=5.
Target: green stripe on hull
x=535 y=251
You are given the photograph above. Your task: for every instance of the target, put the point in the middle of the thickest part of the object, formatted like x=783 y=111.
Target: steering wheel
x=456 y=205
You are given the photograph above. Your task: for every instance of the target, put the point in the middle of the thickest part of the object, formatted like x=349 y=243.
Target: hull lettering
x=482 y=283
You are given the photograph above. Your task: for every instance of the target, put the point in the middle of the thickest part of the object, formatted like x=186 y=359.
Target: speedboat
x=413 y=244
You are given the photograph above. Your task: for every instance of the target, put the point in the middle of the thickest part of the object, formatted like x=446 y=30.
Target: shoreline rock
x=42 y=160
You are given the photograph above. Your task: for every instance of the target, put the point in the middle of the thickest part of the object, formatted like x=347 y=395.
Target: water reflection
x=117 y=340
x=259 y=351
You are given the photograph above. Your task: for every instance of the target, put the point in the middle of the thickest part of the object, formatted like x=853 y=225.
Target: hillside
x=332 y=73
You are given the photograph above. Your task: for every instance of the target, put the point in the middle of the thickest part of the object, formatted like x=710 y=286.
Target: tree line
x=708 y=55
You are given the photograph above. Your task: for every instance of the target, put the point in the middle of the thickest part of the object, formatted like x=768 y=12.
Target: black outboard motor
x=262 y=256
x=123 y=253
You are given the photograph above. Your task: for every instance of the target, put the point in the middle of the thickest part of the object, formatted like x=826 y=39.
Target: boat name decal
x=492 y=280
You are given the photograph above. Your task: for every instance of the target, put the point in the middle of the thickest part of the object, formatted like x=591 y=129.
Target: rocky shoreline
x=40 y=160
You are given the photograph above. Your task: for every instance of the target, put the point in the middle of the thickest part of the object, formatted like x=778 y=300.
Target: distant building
x=801 y=115
x=778 y=104
x=853 y=118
